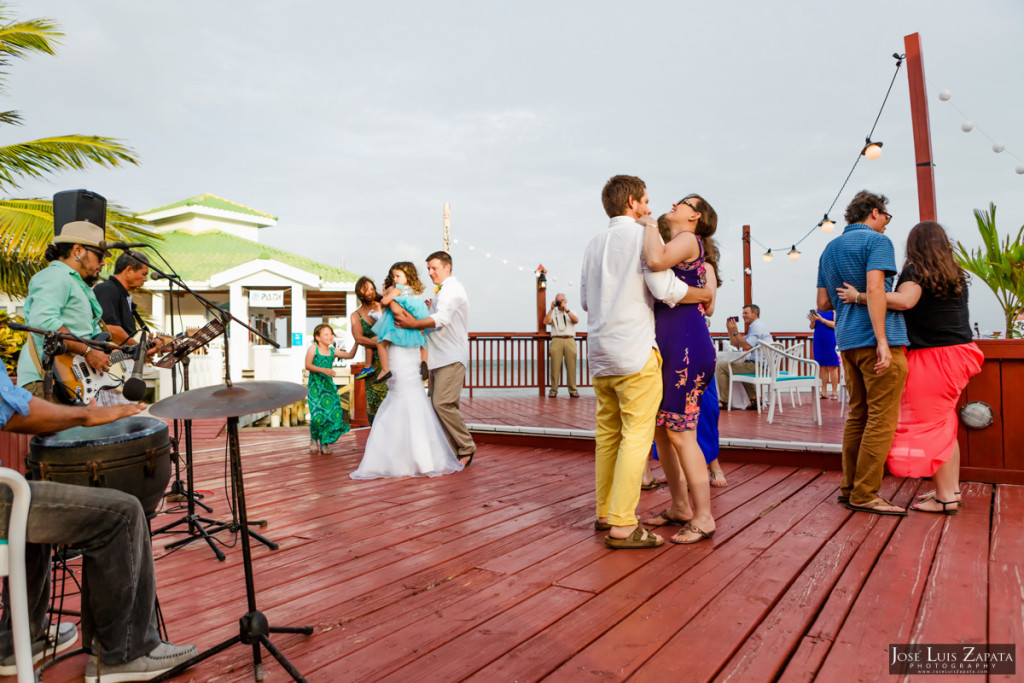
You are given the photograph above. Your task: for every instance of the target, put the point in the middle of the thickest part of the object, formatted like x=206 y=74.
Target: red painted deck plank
x=887 y=605
x=954 y=606
x=496 y=573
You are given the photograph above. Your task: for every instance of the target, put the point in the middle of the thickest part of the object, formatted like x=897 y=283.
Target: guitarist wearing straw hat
x=60 y=298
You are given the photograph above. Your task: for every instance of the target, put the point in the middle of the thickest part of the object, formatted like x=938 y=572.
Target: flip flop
x=650 y=487
x=552 y=394
x=573 y=394
x=873 y=509
x=601 y=526
x=640 y=538
x=691 y=527
x=670 y=520
x=718 y=479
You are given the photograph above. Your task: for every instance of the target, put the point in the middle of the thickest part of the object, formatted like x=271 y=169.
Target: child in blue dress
x=405 y=293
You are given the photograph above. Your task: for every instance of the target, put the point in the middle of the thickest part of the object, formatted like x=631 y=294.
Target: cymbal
x=221 y=400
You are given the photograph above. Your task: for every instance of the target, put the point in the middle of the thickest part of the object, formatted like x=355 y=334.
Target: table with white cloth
x=738 y=394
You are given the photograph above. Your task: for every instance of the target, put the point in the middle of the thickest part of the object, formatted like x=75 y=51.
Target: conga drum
x=132 y=455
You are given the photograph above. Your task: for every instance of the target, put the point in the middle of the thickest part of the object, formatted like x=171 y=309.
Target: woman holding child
x=406 y=439
x=688 y=367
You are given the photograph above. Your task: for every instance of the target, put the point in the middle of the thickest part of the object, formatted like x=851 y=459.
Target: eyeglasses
x=888 y=217
x=99 y=252
x=683 y=201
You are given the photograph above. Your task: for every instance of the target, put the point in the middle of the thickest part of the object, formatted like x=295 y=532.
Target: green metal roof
x=212 y=201
x=198 y=256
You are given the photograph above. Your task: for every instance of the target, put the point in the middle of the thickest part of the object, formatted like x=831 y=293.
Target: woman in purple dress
x=688 y=366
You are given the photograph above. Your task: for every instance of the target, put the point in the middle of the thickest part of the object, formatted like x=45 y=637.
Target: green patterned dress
x=327 y=419
x=375 y=393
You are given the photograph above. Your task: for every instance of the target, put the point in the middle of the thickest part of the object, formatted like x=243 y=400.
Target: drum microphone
x=135 y=387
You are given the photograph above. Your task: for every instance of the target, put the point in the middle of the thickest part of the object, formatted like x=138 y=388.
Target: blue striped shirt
x=848 y=259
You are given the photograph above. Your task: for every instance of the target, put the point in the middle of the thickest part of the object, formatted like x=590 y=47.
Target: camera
x=558 y=302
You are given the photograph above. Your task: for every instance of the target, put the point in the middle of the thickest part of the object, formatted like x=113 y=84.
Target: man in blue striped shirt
x=871 y=340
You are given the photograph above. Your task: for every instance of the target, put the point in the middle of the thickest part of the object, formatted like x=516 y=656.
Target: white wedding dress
x=406 y=439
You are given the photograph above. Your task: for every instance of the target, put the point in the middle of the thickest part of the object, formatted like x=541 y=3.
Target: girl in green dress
x=327 y=418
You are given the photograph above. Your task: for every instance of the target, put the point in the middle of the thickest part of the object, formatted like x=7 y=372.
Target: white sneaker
x=66 y=635
x=162 y=658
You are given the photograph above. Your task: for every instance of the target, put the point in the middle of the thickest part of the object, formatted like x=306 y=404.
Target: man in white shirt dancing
x=447 y=330
x=618 y=291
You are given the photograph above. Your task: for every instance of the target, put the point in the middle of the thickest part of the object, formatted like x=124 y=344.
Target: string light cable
x=967 y=126
x=871 y=150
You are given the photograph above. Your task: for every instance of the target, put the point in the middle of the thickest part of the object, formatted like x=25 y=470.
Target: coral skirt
x=928 y=424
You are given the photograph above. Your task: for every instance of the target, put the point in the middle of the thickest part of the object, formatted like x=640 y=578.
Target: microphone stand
x=216 y=526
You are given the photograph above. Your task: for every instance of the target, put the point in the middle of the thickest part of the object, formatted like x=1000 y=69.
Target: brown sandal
x=691 y=527
x=651 y=521
x=640 y=538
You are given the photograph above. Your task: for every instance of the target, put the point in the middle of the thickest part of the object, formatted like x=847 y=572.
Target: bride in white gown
x=406 y=439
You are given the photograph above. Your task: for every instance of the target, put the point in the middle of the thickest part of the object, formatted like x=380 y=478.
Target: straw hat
x=81 y=232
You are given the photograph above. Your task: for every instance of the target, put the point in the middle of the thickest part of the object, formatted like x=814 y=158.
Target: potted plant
x=999 y=265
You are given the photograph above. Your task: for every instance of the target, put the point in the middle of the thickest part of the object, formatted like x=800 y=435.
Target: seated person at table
x=109 y=526
x=757 y=331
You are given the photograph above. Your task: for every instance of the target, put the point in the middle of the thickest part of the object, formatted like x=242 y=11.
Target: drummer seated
x=109 y=526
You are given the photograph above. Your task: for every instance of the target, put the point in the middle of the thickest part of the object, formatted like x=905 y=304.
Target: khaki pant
x=627 y=406
x=445 y=393
x=871 y=424
x=563 y=349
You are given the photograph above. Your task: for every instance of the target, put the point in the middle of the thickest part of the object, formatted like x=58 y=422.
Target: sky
x=354 y=123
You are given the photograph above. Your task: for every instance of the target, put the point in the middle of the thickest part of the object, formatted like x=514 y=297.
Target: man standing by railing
x=563 y=345
x=616 y=289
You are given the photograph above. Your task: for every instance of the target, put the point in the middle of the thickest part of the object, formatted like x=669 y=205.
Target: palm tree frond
x=38 y=158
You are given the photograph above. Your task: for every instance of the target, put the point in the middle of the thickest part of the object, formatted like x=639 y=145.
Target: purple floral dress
x=688 y=354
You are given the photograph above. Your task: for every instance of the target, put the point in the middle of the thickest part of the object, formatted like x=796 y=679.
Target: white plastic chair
x=12 y=565
x=801 y=373
x=760 y=378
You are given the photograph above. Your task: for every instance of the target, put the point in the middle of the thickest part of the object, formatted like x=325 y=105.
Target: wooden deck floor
x=496 y=574
x=793 y=424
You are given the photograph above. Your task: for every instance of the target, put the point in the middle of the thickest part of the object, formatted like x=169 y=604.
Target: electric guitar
x=75 y=382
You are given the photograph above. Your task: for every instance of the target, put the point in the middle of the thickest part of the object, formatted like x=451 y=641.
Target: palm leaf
x=41 y=157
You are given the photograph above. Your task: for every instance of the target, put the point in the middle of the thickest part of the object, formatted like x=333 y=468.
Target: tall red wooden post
x=748 y=284
x=542 y=309
x=922 y=135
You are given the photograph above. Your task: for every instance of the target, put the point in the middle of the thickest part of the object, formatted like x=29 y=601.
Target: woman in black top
x=932 y=292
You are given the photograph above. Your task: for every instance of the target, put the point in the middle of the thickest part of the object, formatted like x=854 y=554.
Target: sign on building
x=266 y=298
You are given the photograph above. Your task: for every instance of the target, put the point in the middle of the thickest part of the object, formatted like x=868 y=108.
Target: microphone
x=135 y=387
x=124 y=246
x=18 y=326
x=157 y=276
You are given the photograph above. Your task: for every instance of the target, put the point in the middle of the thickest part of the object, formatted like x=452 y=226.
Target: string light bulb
x=826 y=225
x=872 y=150
x=767 y=256
x=794 y=254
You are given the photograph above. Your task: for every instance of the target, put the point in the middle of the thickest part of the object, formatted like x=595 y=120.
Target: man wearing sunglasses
x=871 y=340
x=60 y=298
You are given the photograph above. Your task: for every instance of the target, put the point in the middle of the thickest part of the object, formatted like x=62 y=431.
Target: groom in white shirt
x=447 y=331
x=618 y=291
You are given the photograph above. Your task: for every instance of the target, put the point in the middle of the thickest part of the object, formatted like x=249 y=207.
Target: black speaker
x=78 y=205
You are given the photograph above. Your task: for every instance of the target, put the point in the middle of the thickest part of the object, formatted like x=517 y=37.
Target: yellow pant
x=627 y=406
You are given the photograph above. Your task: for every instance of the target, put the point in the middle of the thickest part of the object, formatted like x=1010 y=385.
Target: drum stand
x=253 y=627
x=195 y=523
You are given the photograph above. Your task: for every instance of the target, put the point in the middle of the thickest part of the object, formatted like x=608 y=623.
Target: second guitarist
x=131 y=270
x=60 y=298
